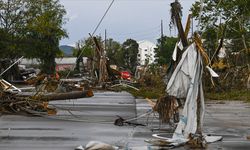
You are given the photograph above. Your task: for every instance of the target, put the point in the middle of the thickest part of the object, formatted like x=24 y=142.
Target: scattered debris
x=7 y=87
x=67 y=95
x=196 y=141
x=12 y=99
x=97 y=145
x=167 y=107
x=11 y=103
x=159 y=142
x=79 y=147
x=123 y=83
x=248 y=137
x=121 y=122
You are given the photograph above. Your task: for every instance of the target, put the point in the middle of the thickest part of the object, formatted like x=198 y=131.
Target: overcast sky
x=137 y=19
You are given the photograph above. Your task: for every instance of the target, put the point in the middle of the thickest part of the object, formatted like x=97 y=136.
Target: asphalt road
x=82 y=120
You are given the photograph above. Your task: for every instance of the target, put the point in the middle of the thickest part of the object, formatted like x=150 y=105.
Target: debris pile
x=167 y=107
x=97 y=145
x=12 y=100
x=12 y=103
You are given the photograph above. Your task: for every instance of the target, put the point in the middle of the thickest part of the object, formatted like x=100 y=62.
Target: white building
x=146 y=52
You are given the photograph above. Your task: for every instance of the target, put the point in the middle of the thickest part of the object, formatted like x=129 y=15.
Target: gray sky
x=137 y=19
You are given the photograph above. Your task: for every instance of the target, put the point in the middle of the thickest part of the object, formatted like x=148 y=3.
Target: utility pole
x=161 y=29
x=178 y=22
x=105 y=41
x=161 y=35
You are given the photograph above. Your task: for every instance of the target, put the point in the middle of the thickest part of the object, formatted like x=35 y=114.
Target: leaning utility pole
x=105 y=41
x=161 y=35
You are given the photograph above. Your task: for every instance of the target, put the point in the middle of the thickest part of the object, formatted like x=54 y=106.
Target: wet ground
x=80 y=121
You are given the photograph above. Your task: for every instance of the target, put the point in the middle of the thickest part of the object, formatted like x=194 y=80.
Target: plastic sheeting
x=212 y=72
x=180 y=80
x=177 y=45
x=186 y=82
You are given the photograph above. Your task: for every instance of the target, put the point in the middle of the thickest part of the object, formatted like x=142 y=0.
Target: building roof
x=60 y=61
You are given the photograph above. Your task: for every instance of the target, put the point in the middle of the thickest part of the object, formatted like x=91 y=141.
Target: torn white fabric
x=211 y=139
x=174 y=55
x=179 y=82
x=180 y=45
x=177 y=45
x=191 y=69
x=212 y=72
x=94 y=145
x=180 y=141
x=222 y=53
x=186 y=82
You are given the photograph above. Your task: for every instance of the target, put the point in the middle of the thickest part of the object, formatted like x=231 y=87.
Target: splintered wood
x=11 y=103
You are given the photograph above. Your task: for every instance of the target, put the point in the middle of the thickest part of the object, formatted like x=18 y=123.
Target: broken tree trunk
x=105 y=72
x=65 y=96
x=176 y=14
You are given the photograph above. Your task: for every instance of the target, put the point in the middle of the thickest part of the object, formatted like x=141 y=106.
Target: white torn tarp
x=97 y=145
x=177 y=45
x=186 y=82
x=180 y=80
x=222 y=53
x=212 y=72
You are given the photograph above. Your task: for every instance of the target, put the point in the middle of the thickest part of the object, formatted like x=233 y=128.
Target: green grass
x=243 y=95
x=152 y=93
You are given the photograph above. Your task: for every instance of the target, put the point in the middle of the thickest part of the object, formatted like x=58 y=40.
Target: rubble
x=96 y=145
x=12 y=99
x=11 y=103
x=248 y=137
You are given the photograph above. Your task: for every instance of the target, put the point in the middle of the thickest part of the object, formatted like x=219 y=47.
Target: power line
x=80 y=55
x=103 y=17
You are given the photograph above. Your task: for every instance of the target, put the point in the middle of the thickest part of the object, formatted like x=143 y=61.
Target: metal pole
x=11 y=66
